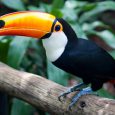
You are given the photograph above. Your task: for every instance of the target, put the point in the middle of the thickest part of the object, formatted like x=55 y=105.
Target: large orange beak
x=27 y=23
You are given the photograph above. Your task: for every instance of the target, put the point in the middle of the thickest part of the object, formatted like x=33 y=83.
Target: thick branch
x=43 y=94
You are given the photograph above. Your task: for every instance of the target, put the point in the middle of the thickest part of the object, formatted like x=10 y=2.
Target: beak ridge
x=27 y=23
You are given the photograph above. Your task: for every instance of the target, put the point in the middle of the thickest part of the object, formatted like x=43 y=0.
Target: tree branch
x=43 y=94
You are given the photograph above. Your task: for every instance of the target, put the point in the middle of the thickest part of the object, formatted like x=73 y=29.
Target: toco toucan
x=64 y=49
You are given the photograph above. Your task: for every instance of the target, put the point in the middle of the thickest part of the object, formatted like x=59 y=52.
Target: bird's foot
x=82 y=92
x=72 y=89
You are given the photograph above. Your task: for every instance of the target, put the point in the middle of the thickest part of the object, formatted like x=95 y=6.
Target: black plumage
x=85 y=59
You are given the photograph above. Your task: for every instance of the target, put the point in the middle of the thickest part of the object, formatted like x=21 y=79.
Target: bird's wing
x=92 y=59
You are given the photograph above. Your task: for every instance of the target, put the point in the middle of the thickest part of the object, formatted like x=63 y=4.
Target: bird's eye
x=57 y=27
x=2 y=23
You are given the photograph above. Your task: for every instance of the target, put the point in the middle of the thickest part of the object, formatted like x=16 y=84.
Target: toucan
x=80 y=57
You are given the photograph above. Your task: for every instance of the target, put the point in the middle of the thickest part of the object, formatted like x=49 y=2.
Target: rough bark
x=43 y=94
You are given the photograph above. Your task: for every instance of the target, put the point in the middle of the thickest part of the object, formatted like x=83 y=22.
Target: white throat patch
x=55 y=45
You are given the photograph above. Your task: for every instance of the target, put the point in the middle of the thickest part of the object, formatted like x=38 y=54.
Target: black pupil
x=57 y=28
x=2 y=23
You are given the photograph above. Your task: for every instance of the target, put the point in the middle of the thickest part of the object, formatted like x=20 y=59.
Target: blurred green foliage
x=90 y=20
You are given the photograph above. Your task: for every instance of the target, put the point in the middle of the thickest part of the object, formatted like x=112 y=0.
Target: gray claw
x=62 y=97
x=69 y=108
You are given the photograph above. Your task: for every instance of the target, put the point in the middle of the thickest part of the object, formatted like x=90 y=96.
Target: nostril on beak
x=2 y=23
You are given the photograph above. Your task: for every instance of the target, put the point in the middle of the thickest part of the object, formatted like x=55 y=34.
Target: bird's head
x=54 y=32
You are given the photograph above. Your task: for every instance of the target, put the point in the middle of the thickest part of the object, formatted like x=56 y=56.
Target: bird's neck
x=55 y=45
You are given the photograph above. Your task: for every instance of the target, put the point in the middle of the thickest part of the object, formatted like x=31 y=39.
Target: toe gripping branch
x=82 y=91
x=77 y=87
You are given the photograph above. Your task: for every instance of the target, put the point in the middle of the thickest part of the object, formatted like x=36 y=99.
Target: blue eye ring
x=57 y=27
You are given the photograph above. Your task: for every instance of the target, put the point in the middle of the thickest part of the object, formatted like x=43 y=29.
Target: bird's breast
x=55 y=45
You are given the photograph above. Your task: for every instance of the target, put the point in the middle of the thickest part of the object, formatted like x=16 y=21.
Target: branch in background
x=43 y=94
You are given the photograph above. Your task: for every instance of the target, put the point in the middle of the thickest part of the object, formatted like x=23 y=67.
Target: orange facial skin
x=26 y=23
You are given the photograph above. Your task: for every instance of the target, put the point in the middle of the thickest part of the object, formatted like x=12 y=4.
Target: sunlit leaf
x=42 y=7
x=66 y=14
x=32 y=8
x=2 y=37
x=75 y=4
x=87 y=27
x=14 y=4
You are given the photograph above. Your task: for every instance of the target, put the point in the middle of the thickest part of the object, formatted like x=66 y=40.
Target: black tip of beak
x=46 y=36
x=2 y=23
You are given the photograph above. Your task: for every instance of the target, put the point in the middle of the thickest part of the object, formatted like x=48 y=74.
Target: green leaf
x=56 y=74
x=56 y=8
x=88 y=7
x=66 y=14
x=21 y=108
x=87 y=27
x=17 y=50
x=14 y=4
x=75 y=4
x=31 y=7
x=57 y=12
x=45 y=7
x=104 y=93
x=4 y=46
x=42 y=7
x=2 y=37
x=78 y=30
x=57 y=4
x=112 y=53
x=99 y=8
